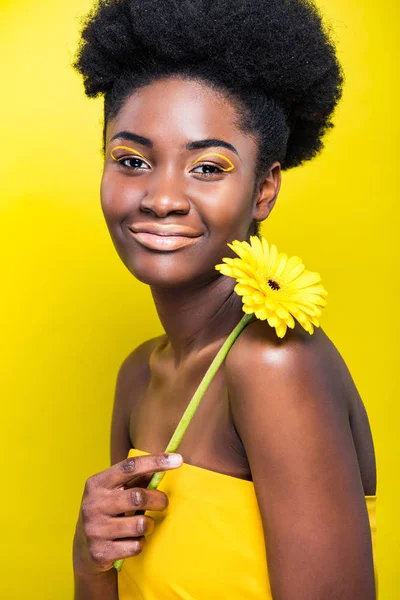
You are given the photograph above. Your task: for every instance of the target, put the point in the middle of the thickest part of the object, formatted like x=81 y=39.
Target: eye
x=207 y=170
x=133 y=162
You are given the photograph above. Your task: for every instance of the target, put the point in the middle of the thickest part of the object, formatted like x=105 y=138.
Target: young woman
x=272 y=494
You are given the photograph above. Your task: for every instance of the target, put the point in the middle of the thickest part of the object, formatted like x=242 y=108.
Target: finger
x=139 y=481
x=134 y=466
x=128 y=527
x=106 y=554
x=139 y=499
x=126 y=548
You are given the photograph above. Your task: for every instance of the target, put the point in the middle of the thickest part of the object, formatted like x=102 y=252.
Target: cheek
x=117 y=198
x=230 y=209
x=109 y=197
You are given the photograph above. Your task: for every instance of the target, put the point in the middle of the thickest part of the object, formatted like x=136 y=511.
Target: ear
x=267 y=192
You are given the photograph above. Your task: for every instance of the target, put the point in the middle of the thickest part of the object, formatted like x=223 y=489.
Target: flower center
x=273 y=285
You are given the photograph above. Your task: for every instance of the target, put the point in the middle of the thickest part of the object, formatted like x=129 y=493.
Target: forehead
x=178 y=111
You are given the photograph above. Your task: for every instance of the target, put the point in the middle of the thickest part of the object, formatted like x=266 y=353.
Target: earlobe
x=268 y=191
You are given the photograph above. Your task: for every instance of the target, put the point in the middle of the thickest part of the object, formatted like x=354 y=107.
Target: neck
x=197 y=316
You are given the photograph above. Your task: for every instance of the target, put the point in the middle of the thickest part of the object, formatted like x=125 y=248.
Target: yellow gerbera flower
x=274 y=287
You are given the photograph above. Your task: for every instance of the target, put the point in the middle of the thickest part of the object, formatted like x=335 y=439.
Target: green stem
x=194 y=403
x=199 y=393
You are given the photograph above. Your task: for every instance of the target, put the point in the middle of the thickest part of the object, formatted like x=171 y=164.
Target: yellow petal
x=240 y=246
x=258 y=298
x=273 y=257
x=257 y=249
x=247 y=309
x=270 y=303
x=305 y=311
x=316 y=289
x=290 y=322
x=282 y=312
x=225 y=270
x=301 y=317
x=312 y=302
x=306 y=279
x=243 y=290
x=282 y=261
x=265 y=250
x=242 y=249
x=261 y=313
x=308 y=327
x=294 y=274
x=309 y=310
x=273 y=321
x=242 y=265
x=247 y=281
x=292 y=263
x=281 y=330
x=314 y=321
x=229 y=261
x=237 y=262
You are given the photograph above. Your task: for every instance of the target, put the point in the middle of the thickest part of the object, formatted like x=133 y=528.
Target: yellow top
x=204 y=546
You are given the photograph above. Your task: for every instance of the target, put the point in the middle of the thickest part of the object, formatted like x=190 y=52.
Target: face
x=179 y=182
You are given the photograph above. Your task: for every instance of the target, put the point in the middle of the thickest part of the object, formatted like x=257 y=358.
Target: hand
x=102 y=525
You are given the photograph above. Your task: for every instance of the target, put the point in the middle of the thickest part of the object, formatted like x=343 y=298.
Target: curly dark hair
x=275 y=60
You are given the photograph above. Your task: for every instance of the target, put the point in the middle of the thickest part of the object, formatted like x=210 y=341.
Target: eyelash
x=125 y=158
x=121 y=161
x=219 y=171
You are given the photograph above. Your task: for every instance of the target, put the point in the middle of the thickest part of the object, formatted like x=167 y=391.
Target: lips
x=164 y=238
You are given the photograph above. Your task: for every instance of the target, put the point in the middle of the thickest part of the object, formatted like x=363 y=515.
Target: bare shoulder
x=296 y=386
x=301 y=370
x=133 y=376
x=293 y=388
x=299 y=359
x=290 y=405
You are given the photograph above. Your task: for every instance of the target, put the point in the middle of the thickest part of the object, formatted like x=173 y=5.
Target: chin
x=169 y=269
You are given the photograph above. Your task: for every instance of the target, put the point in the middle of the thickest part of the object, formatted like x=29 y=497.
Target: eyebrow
x=133 y=137
x=196 y=145
x=211 y=143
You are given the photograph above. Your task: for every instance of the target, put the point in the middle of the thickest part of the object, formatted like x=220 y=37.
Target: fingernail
x=175 y=460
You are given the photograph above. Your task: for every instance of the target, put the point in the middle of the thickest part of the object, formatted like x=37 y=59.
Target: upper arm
x=132 y=377
x=288 y=409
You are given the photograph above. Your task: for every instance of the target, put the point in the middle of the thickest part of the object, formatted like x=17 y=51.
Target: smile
x=164 y=239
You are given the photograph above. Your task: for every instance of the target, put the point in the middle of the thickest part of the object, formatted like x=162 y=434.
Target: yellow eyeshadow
x=232 y=166
x=126 y=148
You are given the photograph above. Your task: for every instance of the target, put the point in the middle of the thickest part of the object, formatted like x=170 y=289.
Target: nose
x=164 y=197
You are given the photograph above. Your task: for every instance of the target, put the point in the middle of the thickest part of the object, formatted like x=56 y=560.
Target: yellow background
x=71 y=312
